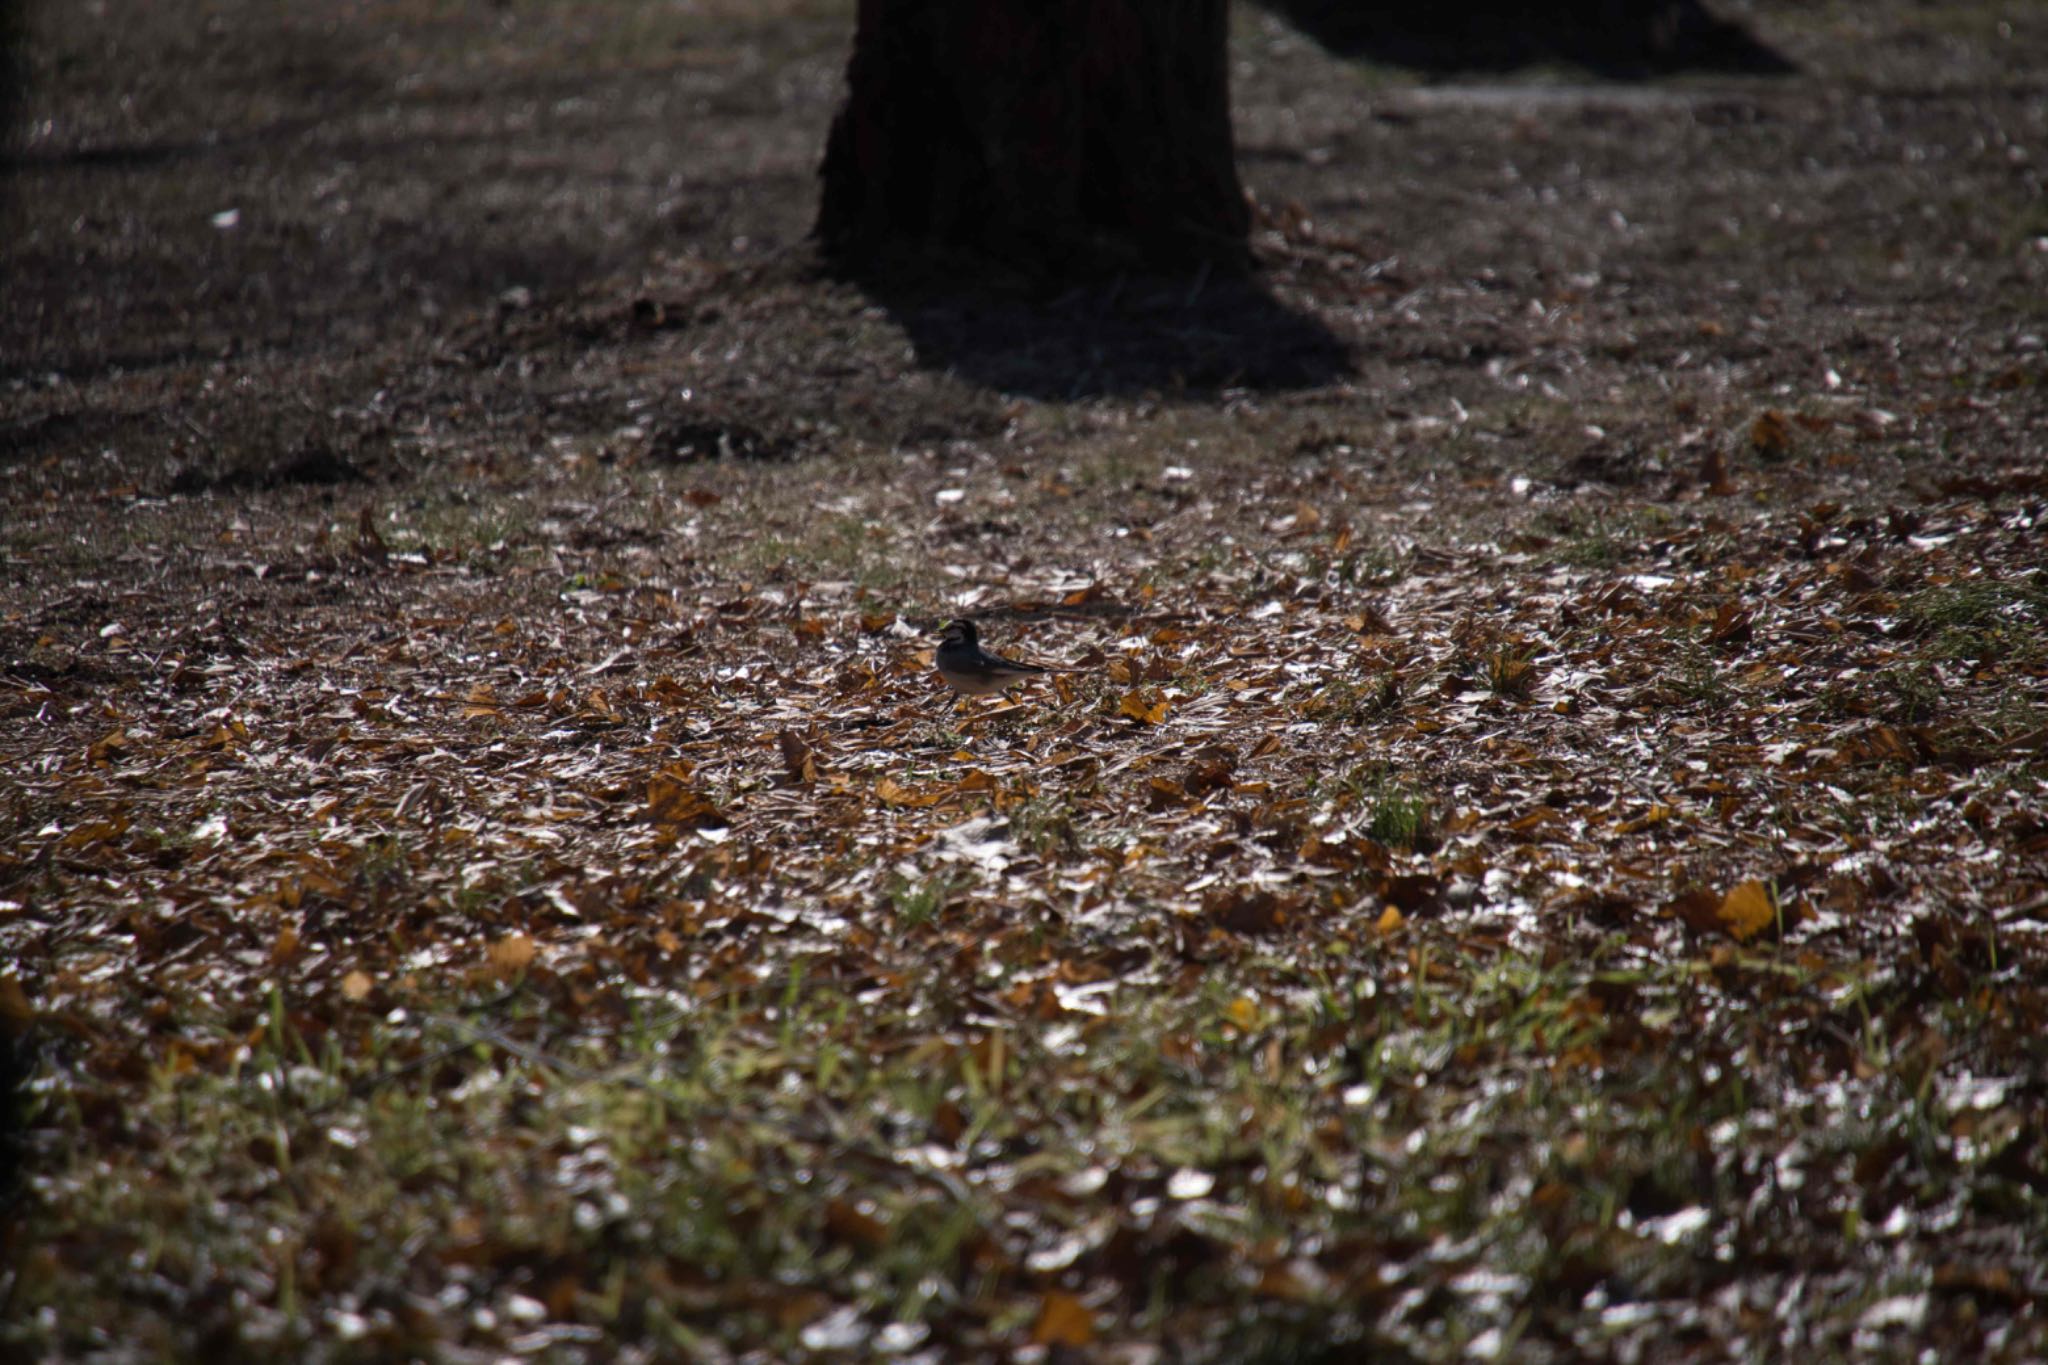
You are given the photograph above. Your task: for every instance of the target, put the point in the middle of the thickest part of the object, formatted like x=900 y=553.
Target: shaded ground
x=1624 y=39
x=1543 y=853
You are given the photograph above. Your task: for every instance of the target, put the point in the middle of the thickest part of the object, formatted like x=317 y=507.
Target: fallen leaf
x=1733 y=625
x=1063 y=1320
x=1657 y=814
x=893 y=793
x=356 y=986
x=1137 y=708
x=1698 y=909
x=15 y=1010
x=799 y=760
x=1714 y=472
x=511 y=955
x=1771 y=434
x=854 y=1225
x=673 y=799
x=1747 y=910
x=1246 y=910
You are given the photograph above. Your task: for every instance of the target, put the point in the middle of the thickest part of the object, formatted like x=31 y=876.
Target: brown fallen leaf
x=1246 y=910
x=1136 y=707
x=1714 y=472
x=1747 y=910
x=105 y=748
x=15 y=1009
x=893 y=793
x=1413 y=893
x=356 y=987
x=1771 y=434
x=511 y=955
x=851 y=1224
x=673 y=799
x=369 y=544
x=1165 y=794
x=799 y=759
x=1733 y=625
x=1063 y=1320
x=1698 y=908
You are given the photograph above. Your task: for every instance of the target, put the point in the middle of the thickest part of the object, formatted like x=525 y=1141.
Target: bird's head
x=959 y=632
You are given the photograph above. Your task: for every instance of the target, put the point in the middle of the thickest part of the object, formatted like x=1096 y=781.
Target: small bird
x=967 y=667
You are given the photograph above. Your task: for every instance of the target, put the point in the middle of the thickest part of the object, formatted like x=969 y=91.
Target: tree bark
x=1066 y=137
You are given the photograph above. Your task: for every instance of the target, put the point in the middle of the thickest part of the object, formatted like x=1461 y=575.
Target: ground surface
x=1544 y=851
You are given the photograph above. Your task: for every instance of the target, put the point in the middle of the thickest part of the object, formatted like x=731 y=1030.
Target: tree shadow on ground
x=1618 y=39
x=1116 y=336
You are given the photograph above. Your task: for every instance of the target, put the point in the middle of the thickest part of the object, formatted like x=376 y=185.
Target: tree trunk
x=1062 y=136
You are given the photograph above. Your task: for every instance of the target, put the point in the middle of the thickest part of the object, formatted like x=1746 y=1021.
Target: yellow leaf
x=509 y=955
x=1390 y=919
x=1747 y=910
x=1244 y=1012
x=1063 y=1320
x=1137 y=708
x=1657 y=814
x=356 y=986
x=894 y=793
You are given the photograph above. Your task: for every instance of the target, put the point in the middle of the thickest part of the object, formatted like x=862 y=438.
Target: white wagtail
x=967 y=667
